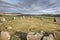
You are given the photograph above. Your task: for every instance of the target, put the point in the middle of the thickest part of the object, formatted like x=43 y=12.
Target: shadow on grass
x=58 y=30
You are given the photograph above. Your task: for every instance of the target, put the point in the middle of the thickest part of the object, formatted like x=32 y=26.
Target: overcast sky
x=30 y=6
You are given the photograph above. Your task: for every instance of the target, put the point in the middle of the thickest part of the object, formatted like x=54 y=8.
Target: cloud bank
x=30 y=6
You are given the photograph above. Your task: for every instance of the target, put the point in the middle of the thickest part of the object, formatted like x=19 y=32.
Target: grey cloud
x=32 y=6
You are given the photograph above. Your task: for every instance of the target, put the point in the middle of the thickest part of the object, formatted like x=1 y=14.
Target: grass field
x=27 y=24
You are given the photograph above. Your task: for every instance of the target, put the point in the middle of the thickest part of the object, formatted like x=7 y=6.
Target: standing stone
x=29 y=35
x=34 y=36
x=38 y=36
x=41 y=34
x=55 y=20
x=49 y=36
x=9 y=27
x=5 y=35
x=14 y=18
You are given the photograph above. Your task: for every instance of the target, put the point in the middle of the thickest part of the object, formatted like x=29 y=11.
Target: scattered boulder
x=14 y=18
x=41 y=35
x=55 y=19
x=9 y=27
x=5 y=35
x=48 y=36
x=31 y=36
x=3 y=19
x=50 y=33
x=21 y=35
x=34 y=36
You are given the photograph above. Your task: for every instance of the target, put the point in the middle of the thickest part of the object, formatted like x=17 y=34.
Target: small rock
x=9 y=27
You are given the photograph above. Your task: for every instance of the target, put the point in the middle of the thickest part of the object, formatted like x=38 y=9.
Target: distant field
x=33 y=23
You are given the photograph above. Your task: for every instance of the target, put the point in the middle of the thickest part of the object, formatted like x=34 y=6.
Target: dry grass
x=27 y=24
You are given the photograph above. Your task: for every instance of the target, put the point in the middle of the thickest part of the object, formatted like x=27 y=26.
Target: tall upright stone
x=5 y=35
